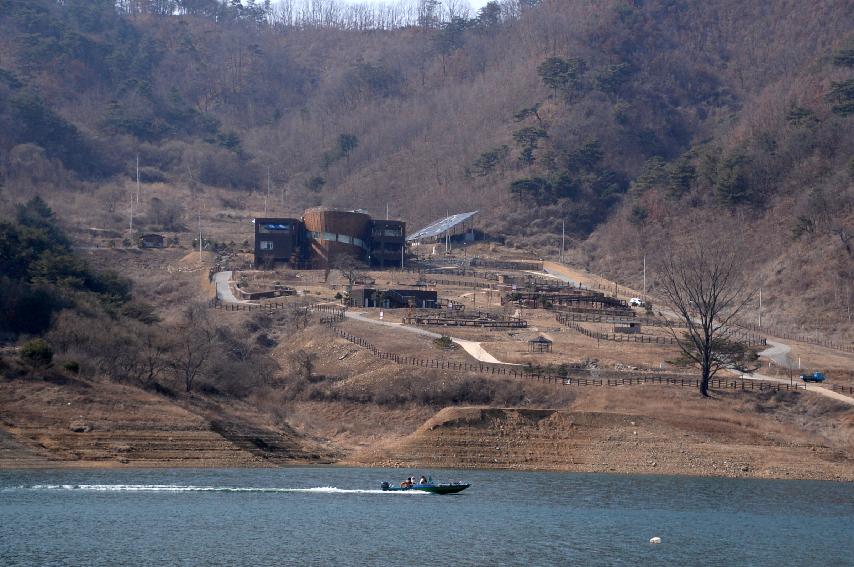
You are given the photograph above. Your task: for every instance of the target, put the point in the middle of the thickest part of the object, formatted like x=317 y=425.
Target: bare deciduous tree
x=304 y=362
x=194 y=342
x=153 y=355
x=704 y=283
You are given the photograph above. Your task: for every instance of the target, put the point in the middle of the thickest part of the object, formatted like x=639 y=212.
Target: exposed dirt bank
x=71 y=422
x=646 y=430
x=86 y=424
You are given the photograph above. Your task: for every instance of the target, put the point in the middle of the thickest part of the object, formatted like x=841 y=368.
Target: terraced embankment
x=605 y=442
x=103 y=424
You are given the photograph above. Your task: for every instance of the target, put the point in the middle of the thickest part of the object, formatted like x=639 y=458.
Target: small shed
x=540 y=344
x=152 y=241
x=633 y=328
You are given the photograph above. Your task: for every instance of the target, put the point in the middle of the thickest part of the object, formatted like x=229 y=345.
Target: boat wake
x=184 y=488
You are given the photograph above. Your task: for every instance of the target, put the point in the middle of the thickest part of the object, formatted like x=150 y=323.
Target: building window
x=267 y=228
x=266 y=245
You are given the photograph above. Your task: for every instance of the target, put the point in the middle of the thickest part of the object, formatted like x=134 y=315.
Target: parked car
x=814 y=377
x=636 y=302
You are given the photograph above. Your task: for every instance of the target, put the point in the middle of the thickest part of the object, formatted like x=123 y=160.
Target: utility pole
x=644 y=277
x=137 y=179
x=267 y=196
x=760 y=307
x=447 y=235
x=386 y=211
x=562 y=239
x=131 y=215
x=200 y=235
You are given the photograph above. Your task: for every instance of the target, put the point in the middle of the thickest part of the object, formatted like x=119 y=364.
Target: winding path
x=814 y=388
x=222 y=282
x=473 y=348
x=778 y=353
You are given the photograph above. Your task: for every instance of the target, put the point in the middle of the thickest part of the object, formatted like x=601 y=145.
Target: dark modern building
x=326 y=237
x=279 y=240
x=388 y=243
x=152 y=241
x=393 y=298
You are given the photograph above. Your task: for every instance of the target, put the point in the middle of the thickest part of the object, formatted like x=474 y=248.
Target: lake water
x=337 y=516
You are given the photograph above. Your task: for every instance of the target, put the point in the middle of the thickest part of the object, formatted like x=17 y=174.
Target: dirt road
x=814 y=388
x=778 y=353
x=222 y=281
x=473 y=348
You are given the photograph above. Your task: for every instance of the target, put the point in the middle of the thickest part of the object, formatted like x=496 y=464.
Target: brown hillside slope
x=719 y=106
x=83 y=423
x=734 y=442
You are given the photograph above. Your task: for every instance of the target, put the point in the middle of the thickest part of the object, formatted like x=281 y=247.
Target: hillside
x=615 y=441
x=631 y=121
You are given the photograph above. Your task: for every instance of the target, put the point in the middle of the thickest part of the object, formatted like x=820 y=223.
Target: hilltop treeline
x=620 y=118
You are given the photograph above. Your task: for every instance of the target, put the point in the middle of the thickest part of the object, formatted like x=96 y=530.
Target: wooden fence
x=520 y=373
x=616 y=337
x=459 y=283
x=566 y=317
x=841 y=389
x=812 y=340
x=772 y=331
x=335 y=310
x=483 y=321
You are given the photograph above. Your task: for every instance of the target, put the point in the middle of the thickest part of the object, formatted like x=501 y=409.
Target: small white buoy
x=656 y=539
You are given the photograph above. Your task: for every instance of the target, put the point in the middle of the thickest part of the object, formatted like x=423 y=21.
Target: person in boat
x=423 y=480
x=407 y=483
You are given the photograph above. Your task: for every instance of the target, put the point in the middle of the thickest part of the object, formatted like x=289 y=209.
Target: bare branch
x=705 y=287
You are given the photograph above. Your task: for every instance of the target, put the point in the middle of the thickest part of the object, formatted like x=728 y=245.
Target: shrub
x=37 y=353
x=72 y=366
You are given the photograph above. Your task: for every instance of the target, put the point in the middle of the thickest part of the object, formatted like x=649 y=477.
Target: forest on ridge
x=630 y=121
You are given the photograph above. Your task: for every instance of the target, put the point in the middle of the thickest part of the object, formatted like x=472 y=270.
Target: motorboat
x=434 y=488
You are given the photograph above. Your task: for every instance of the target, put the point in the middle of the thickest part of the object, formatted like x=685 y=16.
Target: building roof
x=440 y=226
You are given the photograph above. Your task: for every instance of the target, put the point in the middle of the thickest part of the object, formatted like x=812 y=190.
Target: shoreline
x=103 y=466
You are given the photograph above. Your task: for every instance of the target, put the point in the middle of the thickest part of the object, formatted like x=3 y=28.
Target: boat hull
x=451 y=488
